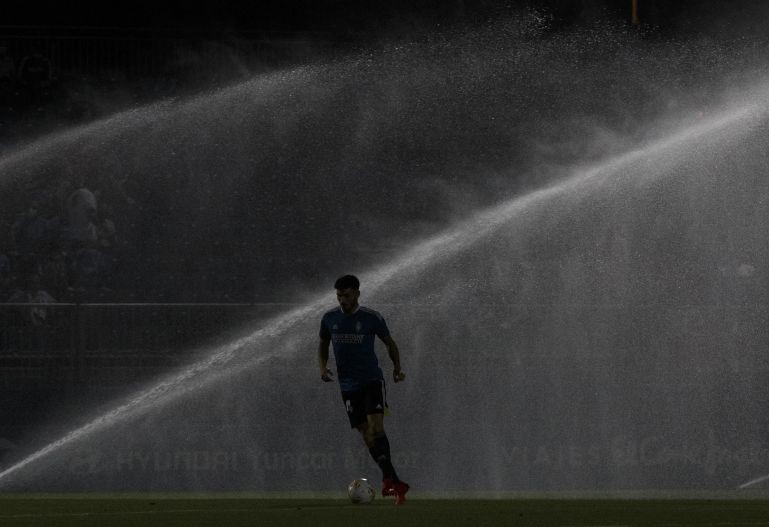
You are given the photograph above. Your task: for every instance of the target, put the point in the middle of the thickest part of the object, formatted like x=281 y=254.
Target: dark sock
x=381 y=454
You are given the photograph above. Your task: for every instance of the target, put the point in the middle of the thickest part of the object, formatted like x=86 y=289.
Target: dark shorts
x=360 y=403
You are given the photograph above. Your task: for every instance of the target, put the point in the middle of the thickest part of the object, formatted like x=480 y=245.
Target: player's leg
x=375 y=423
x=365 y=434
x=378 y=443
x=379 y=448
x=355 y=404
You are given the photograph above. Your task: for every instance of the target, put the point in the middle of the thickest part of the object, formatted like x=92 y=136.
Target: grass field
x=105 y=511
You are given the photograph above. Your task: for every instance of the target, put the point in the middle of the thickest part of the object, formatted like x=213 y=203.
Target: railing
x=58 y=347
x=108 y=344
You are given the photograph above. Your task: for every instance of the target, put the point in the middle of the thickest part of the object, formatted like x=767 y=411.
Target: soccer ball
x=361 y=491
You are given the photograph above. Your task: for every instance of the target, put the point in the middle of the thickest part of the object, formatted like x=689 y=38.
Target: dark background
x=364 y=19
x=104 y=58
x=109 y=57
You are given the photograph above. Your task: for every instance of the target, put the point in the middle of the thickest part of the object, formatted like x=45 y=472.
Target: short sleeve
x=380 y=327
x=324 y=333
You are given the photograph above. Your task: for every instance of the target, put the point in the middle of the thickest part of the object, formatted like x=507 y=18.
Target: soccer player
x=351 y=329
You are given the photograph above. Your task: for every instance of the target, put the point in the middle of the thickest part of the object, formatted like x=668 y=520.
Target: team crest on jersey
x=334 y=327
x=358 y=327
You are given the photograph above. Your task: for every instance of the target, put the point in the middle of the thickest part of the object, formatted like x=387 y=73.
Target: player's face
x=348 y=298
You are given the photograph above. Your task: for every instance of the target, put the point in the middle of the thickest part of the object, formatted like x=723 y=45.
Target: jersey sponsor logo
x=347 y=338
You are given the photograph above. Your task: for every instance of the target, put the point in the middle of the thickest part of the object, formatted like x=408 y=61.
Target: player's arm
x=325 y=373
x=395 y=356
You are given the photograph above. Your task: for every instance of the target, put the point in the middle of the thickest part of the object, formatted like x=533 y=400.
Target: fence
x=115 y=343
x=107 y=343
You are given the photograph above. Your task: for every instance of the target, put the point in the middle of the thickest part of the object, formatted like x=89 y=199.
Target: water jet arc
x=422 y=255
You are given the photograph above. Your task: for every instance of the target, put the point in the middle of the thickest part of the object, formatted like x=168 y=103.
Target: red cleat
x=401 y=488
x=388 y=487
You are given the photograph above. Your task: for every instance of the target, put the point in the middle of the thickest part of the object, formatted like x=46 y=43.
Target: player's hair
x=348 y=281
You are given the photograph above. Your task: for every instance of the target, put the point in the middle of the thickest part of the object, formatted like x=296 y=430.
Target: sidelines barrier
x=114 y=344
x=108 y=344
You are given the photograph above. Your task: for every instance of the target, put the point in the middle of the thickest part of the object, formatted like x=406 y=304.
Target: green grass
x=83 y=511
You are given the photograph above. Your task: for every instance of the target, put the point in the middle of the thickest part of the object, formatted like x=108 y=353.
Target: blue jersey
x=352 y=337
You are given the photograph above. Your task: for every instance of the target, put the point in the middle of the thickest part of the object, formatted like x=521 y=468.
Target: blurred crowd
x=37 y=96
x=59 y=247
x=27 y=81
x=57 y=240
x=29 y=93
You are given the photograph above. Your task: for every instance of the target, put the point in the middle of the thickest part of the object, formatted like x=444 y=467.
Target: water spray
x=422 y=255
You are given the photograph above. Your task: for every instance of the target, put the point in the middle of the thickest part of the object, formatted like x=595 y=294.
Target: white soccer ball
x=361 y=491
